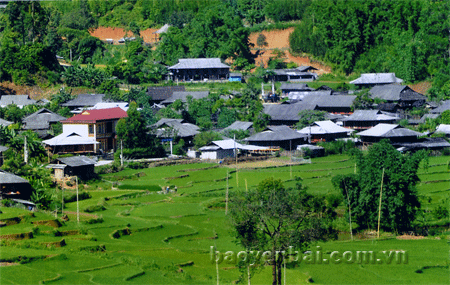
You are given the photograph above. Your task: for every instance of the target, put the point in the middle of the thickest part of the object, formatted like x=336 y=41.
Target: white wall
x=82 y=130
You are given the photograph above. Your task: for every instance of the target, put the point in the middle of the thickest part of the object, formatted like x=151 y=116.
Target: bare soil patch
x=104 y=33
x=279 y=39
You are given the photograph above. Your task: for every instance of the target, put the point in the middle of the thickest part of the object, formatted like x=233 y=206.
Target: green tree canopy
x=399 y=195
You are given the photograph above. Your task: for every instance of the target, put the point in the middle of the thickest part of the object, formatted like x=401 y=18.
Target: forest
x=410 y=38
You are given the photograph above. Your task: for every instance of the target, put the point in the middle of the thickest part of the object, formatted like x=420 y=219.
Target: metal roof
x=19 y=100
x=295 y=86
x=239 y=125
x=9 y=178
x=163 y=29
x=377 y=78
x=70 y=138
x=3 y=148
x=444 y=106
x=276 y=133
x=5 y=123
x=175 y=128
x=370 y=115
x=229 y=144
x=85 y=100
x=182 y=95
x=389 y=131
x=442 y=128
x=324 y=127
x=198 y=63
x=109 y=105
x=75 y=161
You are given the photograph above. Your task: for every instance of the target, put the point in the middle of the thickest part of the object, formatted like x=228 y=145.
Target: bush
x=95 y=208
x=73 y=197
x=337 y=147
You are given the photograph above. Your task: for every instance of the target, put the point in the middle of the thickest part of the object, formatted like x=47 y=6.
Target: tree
x=274 y=218
x=261 y=41
x=399 y=195
x=204 y=138
x=133 y=131
x=307 y=117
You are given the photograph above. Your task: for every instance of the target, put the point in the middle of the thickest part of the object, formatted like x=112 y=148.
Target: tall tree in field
x=399 y=202
x=273 y=218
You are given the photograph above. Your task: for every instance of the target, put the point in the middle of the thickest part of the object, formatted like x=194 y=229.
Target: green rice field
x=143 y=237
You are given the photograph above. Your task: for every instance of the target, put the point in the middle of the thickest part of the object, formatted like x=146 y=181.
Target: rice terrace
x=130 y=234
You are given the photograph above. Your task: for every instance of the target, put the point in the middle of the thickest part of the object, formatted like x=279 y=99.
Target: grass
x=159 y=232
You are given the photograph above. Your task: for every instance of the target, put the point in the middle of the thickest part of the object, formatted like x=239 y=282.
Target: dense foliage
x=397 y=173
x=409 y=37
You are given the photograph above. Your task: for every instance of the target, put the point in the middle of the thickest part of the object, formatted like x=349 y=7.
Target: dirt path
x=104 y=33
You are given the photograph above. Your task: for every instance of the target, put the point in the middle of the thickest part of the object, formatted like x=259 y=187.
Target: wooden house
x=160 y=93
x=18 y=100
x=402 y=95
x=80 y=166
x=41 y=122
x=365 y=119
x=199 y=69
x=14 y=187
x=325 y=131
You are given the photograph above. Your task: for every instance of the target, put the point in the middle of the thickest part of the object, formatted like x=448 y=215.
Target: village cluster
x=91 y=131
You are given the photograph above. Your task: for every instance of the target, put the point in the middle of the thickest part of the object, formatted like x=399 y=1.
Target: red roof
x=92 y=116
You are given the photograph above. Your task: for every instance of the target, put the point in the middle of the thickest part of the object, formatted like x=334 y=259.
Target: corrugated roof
x=198 y=63
x=92 y=116
x=160 y=93
x=390 y=92
x=304 y=68
x=163 y=29
x=229 y=144
x=75 y=161
x=443 y=128
x=85 y=100
x=377 y=78
x=5 y=123
x=370 y=115
x=9 y=178
x=389 y=131
x=444 y=106
x=175 y=127
x=239 y=125
x=324 y=127
x=295 y=86
x=3 y=148
x=182 y=95
x=276 y=133
x=70 y=138
x=19 y=100
x=109 y=105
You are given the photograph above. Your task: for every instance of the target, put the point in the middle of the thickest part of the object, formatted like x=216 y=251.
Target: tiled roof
x=276 y=133
x=239 y=125
x=198 y=63
x=389 y=131
x=5 y=123
x=370 y=115
x=92 y=116
x=75 y=161
x=85 y=100
x=160 y=93
x=182 y=95
x=324 y=127
x=41 y=120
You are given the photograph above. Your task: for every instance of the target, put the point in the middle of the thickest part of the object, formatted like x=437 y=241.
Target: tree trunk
x=274 y=268
x=279 y=262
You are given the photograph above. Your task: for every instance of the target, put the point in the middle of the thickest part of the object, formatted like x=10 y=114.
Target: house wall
x=219 y=154
x=81 y=129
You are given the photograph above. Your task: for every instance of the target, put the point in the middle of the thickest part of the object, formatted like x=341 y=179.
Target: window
x=91 y=129
x=101 y=128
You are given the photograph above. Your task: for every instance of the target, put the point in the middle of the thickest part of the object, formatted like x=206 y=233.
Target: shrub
x=95 y=208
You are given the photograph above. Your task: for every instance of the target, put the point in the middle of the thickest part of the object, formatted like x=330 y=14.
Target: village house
x=89 y=132
x=14 y=187
x=325 y=131
x=226 y=148
x=83 y=101
x=364 y=119
x=443 y=106
x=80 y=166
x=199 y=69
x=239 y=126
x=167 y=130
x=302 y=73
x=41 y=122
x=160 y=93
x=18 y=100
x=405 y=97
x=392 y=132
x=182 y=95
x=276 y=137
x=367 y=80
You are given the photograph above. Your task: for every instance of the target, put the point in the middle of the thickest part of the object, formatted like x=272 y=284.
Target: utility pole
x=226 y=197
x=25 y=150
x=78 y=205
x=235 y=154
x=379 y=208
x=121 y=152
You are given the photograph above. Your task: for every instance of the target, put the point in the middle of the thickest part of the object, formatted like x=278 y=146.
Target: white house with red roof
x=89 y=132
